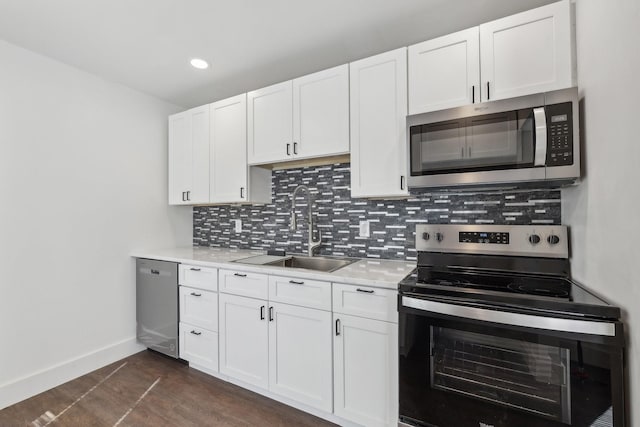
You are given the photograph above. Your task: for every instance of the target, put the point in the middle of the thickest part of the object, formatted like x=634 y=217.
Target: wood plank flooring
x=148 y=389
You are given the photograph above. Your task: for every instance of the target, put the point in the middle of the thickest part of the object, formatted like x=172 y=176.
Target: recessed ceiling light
x=200 y=64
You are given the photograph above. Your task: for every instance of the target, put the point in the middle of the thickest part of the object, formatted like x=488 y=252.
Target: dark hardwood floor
x=148 y=389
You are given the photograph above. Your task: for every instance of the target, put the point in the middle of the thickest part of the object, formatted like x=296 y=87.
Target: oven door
x=469 y=365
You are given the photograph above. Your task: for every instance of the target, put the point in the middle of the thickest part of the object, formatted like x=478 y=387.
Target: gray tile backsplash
x=337 y=215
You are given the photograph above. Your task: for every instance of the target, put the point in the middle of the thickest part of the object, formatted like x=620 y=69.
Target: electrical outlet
x=238 y=226
x=365 y=230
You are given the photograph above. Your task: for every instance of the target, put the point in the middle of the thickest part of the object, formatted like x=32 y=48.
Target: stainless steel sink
x=326 y=265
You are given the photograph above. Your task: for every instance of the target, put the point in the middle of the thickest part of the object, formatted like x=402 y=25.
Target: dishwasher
x=157 y=305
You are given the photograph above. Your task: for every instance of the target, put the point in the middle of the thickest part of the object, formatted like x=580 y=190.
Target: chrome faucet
x=293 y=225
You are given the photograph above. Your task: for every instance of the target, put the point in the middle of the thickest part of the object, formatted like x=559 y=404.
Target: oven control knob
x=439 y=237
x=425 y=236
x=534 y=239
x=553 y=239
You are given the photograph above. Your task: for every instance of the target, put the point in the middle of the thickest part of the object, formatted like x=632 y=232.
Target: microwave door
x=438 y=147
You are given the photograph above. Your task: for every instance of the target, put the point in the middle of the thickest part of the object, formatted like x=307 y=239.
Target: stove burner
x=534 y=288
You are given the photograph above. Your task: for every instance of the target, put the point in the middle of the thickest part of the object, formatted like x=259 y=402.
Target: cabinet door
x=321 y=113
x=378 y=87
x=300 y=355
x=366 y=370
x=180 y=155
x=199 y=346
x=189 y=157
x=527 y=53
x=444 y=72
x=244 y=335
x=228 y=145
x=199 y=191
x=270 y=124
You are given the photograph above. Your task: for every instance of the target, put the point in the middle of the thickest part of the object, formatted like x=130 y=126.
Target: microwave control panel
x=559 y=134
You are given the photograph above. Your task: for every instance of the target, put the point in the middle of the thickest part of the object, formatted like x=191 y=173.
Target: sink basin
x=326 y=265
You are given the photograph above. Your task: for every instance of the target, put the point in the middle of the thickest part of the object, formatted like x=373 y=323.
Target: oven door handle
x=513 y=319
x=540 y=124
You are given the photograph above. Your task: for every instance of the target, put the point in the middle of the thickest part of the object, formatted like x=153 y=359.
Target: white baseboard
x=23 y=388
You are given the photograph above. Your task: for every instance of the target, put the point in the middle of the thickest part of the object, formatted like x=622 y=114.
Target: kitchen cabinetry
x=522 y=54
x=303 y=118
x=378 y=88
x=321 y=113
x=244 y=339
x=365 y=355
x=231 y=180
x=528 y=52
x=189 y=157
x=284 y=348
x=198 y=301
x=270 y=124
x=300 y=360
x=444 y=72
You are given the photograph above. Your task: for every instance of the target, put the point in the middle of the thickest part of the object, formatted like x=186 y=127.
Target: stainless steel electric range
x=493 y=332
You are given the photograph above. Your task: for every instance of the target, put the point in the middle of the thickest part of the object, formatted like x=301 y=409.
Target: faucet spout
x=312 y=244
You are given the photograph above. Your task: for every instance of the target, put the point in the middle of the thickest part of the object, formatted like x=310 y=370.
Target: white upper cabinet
x=270 y=124
x=230 y=176
x=378 y=87
x=444 y=72
x=300 y=119
x=321 y=113
x=528 y=52
x=189 y=157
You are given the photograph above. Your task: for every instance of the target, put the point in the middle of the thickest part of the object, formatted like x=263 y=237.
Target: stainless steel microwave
x=524 y=141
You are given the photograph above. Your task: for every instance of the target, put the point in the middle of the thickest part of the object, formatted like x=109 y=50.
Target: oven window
x=522 y=375
x=488 y=142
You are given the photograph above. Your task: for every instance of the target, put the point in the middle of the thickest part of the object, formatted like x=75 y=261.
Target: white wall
x=604 y=210
x=83 y=182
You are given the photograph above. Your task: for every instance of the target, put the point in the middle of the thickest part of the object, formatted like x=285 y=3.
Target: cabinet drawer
x=199 y=308
x=199 y=277
x=199 y=346
x=303 y=292
x=364 y=301
x=244 y=284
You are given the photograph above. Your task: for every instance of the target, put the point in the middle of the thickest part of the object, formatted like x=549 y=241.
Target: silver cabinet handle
x=196 y=294
x=366 y=291
x=196 y=333
x=294 y=282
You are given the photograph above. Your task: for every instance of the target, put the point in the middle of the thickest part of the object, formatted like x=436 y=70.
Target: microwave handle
x=540 y=124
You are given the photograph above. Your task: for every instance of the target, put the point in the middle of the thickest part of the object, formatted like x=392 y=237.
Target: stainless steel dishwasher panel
x=157 y=305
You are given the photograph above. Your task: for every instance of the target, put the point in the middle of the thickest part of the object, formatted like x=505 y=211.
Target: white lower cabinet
x=199 y=346
x=365 y=357
x=244 y=339
x=300 y=355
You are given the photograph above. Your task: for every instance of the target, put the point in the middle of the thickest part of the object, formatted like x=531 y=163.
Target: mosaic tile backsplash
x=337 y=216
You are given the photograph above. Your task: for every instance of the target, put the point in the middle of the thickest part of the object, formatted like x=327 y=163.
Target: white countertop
x=365 y=272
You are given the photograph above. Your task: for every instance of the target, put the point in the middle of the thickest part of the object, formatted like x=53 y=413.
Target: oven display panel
x=483 y=237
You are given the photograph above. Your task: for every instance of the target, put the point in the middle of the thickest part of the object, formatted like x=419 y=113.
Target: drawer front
x=199 y=277
x=364 y=301
x=199 y=308
x=302 y=292
x=244 y=284
x=199 y=346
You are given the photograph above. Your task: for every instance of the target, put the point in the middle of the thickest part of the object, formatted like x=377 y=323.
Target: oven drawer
x=365 y=301
x=198 y=277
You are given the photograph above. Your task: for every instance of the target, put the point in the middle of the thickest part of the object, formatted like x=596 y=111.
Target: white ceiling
x=147 y=44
